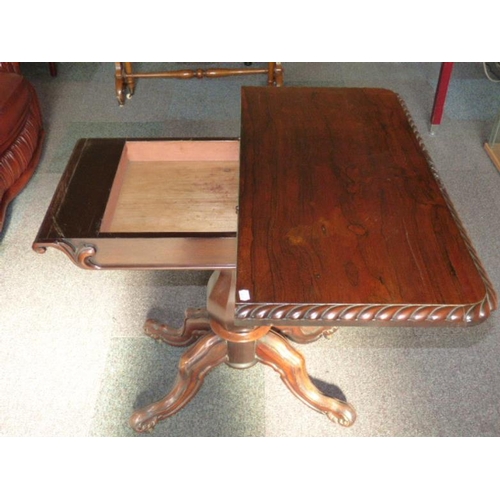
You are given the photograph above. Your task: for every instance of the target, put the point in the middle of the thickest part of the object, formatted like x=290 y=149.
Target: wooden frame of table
x=327 y=212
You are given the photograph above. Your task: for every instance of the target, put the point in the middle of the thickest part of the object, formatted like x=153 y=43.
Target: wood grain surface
x=177 y=197
x=339 y=205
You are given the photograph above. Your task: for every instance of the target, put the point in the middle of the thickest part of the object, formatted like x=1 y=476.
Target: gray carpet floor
x=74 y=360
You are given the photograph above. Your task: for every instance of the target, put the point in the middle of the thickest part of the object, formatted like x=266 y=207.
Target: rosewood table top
x=342 y=217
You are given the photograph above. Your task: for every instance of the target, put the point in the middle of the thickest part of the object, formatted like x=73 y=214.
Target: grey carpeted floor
x=74 y=360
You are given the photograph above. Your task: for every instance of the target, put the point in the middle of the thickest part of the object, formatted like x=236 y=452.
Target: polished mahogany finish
x=342 y=219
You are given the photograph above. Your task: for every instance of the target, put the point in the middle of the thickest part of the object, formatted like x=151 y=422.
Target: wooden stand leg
x=129 y=79
x=275 y=351
x=196 y=324
x=209 y=352
x=217 y=345
x=218 y=341
x=270 y=73
x=119 y=83
x=278 y=74
x=275 y=74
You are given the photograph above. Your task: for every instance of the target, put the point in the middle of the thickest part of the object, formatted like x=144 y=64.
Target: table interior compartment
x=175 y=187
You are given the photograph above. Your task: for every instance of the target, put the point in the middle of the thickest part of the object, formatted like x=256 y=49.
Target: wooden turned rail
x=125 y=76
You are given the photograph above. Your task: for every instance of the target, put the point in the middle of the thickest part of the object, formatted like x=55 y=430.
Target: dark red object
x=21 y=134
x=441 y=91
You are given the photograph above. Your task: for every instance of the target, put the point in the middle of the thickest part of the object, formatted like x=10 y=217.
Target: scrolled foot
x=143 y=423
x=196 y=324
x=346 y=420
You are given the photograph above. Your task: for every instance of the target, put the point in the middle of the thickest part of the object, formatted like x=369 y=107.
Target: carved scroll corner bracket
x=39 y=247
x=81 y=254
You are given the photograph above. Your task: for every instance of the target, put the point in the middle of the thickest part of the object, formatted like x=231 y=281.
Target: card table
x=326 y=212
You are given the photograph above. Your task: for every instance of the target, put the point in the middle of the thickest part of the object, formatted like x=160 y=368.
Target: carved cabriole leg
x=208 y=353
x=196 y=324
x=275 y=351
x=305 y=335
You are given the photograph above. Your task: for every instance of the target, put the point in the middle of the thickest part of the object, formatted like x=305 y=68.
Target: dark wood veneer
x=342 y=218
x=80 y=199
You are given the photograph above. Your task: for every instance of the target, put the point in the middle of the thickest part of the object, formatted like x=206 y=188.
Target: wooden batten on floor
x=493 y=151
